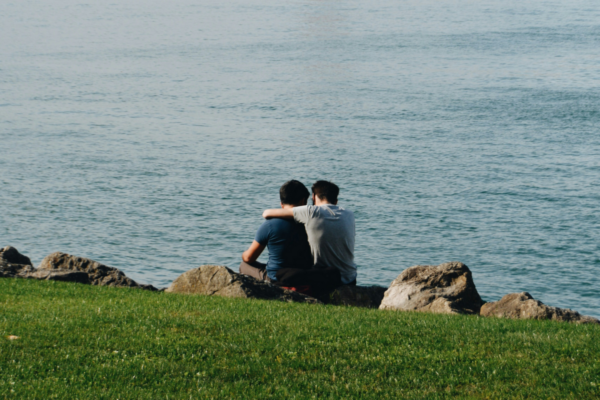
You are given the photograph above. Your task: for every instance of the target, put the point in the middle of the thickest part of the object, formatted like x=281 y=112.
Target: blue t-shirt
x=287 y=243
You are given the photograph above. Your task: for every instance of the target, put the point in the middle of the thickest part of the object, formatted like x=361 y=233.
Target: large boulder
x=98 y=274
x=14 y=264
x=446 y=288
x=524 y=306
x=356 y=296
x=11 y=255
x=217 y=280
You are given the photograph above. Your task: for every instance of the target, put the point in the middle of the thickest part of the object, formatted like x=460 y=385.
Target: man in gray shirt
x=330 y=229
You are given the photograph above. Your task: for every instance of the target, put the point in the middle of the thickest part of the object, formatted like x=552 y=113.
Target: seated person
x=290 y=258
x=330 y=229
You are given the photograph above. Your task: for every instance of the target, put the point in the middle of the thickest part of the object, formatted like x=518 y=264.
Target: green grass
x=79 y=341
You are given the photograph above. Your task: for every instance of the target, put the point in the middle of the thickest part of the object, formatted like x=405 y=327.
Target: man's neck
x=319 y=202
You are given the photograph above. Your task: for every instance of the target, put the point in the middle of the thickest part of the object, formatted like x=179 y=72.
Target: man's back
x=287 y=243
x=331 y=234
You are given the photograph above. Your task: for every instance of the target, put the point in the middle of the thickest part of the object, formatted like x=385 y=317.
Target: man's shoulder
x=344 y=210
x=338 y=209
x=274 y=228
x=277 y=224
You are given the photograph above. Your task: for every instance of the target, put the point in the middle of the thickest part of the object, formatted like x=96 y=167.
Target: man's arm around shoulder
x=279 y=213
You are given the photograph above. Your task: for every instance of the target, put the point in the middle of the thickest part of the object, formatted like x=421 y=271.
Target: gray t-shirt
x=331 y=232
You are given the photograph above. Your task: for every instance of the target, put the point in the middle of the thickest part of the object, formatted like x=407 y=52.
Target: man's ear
x=281 y=205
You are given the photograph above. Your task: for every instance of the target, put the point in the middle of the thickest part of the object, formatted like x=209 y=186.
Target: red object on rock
x=305 y=289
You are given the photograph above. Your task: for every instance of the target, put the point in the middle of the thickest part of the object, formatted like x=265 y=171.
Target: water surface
x=150 y=136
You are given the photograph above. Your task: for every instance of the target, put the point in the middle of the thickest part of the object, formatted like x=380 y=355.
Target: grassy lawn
x=79 y=341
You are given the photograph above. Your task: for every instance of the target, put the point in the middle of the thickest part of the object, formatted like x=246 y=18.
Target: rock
x=12 y=256
x=98 y=274
x=217 y=280
x=447 y=288
x=60 y=275
x=13 y=263
x=524 y=306
x=14 y=270
x=149 y=287
x=356 y=296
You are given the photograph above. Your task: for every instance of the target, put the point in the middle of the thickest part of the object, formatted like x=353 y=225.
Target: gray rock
x=356 y=296
x=14 y=270
x=14 y=264
x=217 y=280
x=60 y=275
x=149 y=287
x=12 y=256
x=447 y=288
x=524 y=306
x=98 y=274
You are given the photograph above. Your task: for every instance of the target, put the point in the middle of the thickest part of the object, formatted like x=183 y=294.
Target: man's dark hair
x=326 y=191
x=293 y=193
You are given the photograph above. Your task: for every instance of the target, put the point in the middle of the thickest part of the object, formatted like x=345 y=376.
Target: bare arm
x=279 y=213
x=253 y=252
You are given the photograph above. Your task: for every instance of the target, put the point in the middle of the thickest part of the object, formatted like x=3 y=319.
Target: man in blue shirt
x=290 y=258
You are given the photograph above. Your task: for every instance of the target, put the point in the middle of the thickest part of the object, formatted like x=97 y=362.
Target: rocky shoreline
x=446 y=288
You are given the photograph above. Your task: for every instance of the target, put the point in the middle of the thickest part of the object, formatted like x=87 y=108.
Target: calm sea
x=150 y=135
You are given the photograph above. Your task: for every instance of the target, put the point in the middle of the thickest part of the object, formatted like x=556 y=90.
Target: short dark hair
x=326 y=191
x=293 y=193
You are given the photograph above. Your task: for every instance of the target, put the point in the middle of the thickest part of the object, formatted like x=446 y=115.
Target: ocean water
x=151 y=135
